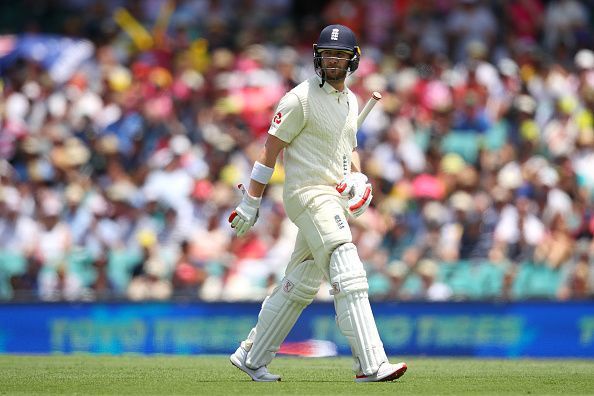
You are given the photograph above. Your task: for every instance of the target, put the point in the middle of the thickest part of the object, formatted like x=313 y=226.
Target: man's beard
x=334 y=73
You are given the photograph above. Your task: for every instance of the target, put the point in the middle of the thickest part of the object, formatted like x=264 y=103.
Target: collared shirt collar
x=329 y=89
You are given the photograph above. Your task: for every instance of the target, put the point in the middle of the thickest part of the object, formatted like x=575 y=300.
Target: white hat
x=375 y=82
x=462 y=201
x=155 y=267
x=179 y=144
x=525 y=103
x=397 y=269
x=17 y=106
x=51 y=206
x=435 y=212
x=161 y=158
x=122 y=191
x=5 y=168
x=406 y=79
x=427 y=267
x=510 y=176
x=548 y=176
x=57 y=104
x=584 y=59
x=11 y=198
x=97 y=204
x=508 y=67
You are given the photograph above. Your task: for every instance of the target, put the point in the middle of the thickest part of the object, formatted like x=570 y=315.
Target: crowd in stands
x=118 y=182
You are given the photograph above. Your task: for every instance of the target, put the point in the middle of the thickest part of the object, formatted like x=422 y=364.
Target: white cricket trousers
x=322 y=228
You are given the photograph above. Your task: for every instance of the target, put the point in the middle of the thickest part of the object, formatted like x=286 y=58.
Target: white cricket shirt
x=320 y=125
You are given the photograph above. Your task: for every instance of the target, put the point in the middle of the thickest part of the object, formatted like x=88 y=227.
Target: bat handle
x=375 y=97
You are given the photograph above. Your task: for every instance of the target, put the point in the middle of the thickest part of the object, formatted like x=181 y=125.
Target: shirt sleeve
x=288 y=120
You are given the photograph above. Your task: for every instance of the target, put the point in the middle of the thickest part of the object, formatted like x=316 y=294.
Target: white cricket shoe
x=386 y=372
x=260 y=374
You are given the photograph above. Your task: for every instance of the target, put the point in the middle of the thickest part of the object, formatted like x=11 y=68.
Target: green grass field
x=214 y=375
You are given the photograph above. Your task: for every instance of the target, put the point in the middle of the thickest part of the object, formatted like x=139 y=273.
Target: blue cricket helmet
x=337 y=37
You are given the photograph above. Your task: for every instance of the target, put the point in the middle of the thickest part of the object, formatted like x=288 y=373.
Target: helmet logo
x=334 y=34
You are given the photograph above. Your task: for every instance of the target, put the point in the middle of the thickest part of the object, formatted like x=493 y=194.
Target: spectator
x=470 y=20
x=188 y=275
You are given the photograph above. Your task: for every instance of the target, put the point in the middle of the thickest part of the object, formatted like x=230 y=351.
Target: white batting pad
x=353 y=312
x=280 y=312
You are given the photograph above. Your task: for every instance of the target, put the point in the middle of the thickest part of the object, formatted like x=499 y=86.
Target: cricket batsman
x=316 y=124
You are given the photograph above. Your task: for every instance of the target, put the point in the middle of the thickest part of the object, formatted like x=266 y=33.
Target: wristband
x=261 y=173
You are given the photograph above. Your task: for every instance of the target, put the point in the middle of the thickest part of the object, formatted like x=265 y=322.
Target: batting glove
x=246 y=213
x=355 y=187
